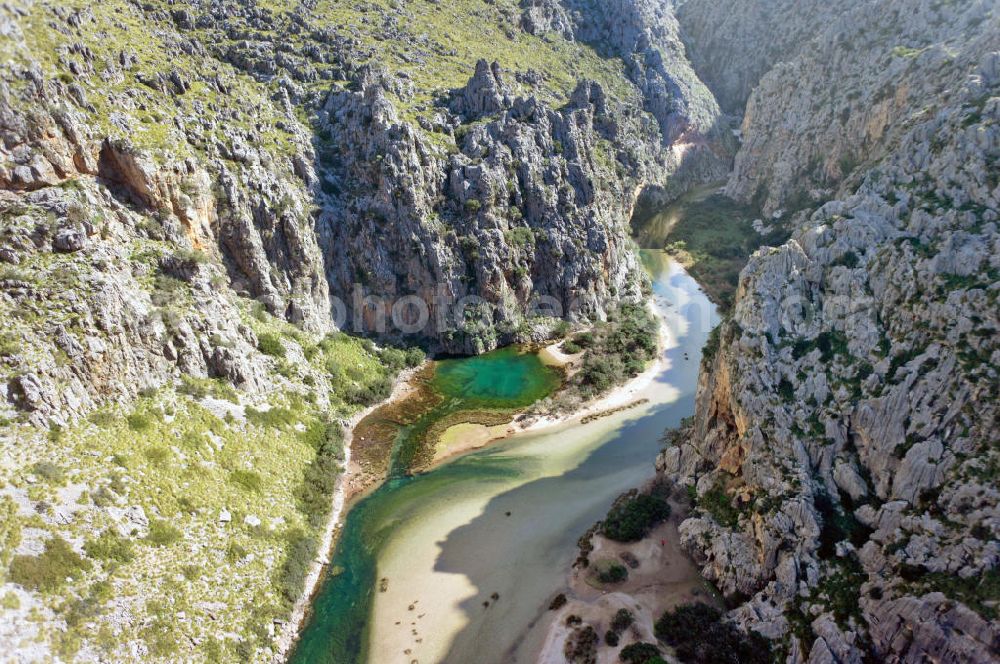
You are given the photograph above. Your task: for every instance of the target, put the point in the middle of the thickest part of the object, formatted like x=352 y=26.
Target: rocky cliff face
x=843 y=452
x=485 y=190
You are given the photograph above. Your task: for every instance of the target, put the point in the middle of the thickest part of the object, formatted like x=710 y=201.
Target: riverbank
x=467 y=437
x=341 y=500
x=355 y=482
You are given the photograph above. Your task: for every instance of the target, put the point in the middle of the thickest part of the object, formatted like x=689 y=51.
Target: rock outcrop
x=528 y=212
x=844 y=446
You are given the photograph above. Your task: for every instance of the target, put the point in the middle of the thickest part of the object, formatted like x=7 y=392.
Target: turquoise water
x=506 y=378
x=501 y=522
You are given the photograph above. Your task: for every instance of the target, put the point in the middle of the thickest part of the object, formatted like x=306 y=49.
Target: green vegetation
x=110 y=547
x=48 y=571
x=301 y=548
x=320 y=476
x=161 y=533
x=699 y=635
x=581 y=646
x=247 y=479
x=610 y=571
x=200 y=388
x=640 y=653
x=633 y=516
x=10 y=533
x=712 y=344
x=621 y=621
x=276 y=417
x=49 y=472
x=521 y=237
x=270 y=344
x=717 y=502
x=713 y=236
x=10 y=344
x=619 y=350
x=979 y=593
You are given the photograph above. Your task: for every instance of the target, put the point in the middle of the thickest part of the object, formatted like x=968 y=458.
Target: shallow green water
x=507 y=378
x=503 y=520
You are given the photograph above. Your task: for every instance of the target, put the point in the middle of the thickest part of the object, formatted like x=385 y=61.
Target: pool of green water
x=506 y=379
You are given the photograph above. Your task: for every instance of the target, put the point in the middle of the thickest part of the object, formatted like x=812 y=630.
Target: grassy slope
x=434 y=45
x=204 y=589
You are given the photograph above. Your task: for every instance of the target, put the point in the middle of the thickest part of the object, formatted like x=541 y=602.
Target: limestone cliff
x=844 y=450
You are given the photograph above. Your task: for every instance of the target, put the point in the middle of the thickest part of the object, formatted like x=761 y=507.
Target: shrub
x=49 y=472
x=292 y=577
x=786 y=390
x=639 y=653
x=368 y=394
x=320 y=476
x=601 y=372
x=584 y=339
x=276 y=418
x=48 y=571
x=623 y=620
x=270 y=344
x=558 y=602
x=571 y=348
x=248 y=480
x=609 y=571
x=700 y=636
x=157 y=455
x=167 y=290
x=717 y=502
x=109 y=546
x=520 y=237
x=9 y=344
x=611 y=638
x=392 y=359
x=632 y=517
x=161 y=533
x=415 y=357
x=199 y=388
x=10 y=532
x=581 y=646
x=472 y=206
x=618 y=350
x=139 y=422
